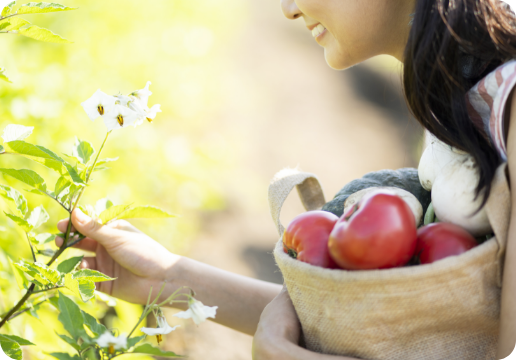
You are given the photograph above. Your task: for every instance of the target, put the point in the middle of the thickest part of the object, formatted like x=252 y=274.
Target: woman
x=447 y=47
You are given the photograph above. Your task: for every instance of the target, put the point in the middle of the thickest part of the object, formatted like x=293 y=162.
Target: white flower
x=119 y=117
x=98 y=104
x=151 y=113
x=162 y=329
x=198 y=312
x=122 y=99
x=107 y=340
x=143 y=95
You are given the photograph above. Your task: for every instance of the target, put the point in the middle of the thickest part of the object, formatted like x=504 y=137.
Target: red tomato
x=379 y=233
x=439 y=240
x=306 y=238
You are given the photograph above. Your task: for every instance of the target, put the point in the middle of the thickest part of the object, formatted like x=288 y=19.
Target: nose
x=290 y=9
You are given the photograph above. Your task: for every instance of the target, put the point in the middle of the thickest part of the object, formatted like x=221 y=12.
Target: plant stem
x=18 y=305
x=27 y=309
x=45 y=290
x=31 y=248
x=90 y=172
x=147 y=310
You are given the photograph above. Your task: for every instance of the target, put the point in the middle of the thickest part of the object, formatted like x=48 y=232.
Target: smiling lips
x=318 y=30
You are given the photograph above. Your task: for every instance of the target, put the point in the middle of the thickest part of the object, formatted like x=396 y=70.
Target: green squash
x=406 y=179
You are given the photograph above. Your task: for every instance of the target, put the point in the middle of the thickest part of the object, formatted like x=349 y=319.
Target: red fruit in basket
x=440 y=240
x=378 y=233
x=306 y=238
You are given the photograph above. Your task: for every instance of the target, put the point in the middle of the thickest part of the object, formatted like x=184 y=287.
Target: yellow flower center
x=100 y=108
x=149 y=120
x=111 y=349
x=159 y=337
x=120 y=119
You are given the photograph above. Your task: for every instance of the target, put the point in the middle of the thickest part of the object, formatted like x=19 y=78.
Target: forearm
x=507 y=336
x=240 y=299
x=294 y=352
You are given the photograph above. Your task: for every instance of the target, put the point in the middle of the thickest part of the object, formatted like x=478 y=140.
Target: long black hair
x=452 y=45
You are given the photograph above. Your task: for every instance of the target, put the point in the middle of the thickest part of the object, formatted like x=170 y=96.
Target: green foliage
x=91 y=275
x=83 y=150
x=28 y=177
x=134 y=340
x=45 y=157
x=41 y=7
x=64 y=356
x=70 y=316
x=8 y=9
x=129 y=212
x=151 y=350
x=15 y=199
x=41 y=34
x=3 y=76
x=13 y=132
x=41 y=274
x=20 y=222
x=14 y=23
x=92 y=323
x=38 y=217
x=70 y=264
x=11 y=345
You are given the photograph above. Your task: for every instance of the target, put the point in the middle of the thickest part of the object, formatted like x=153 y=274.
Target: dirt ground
x=290 y=109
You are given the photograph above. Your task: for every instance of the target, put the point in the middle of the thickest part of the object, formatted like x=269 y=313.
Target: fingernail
x=59 y=241
x=81 y=217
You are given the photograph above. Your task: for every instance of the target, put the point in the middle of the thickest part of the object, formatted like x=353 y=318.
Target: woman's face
x=351 y=31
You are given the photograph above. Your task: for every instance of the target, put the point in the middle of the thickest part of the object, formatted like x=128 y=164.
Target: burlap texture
x=446 y=310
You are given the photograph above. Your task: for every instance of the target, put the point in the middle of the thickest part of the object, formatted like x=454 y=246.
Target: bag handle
x=498 y=207
x=308 y=188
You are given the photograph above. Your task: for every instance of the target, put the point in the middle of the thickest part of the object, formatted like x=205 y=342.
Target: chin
x=337 y=60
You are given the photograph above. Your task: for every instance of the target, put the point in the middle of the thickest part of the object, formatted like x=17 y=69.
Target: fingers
x=84 y=224
x=89 y=263
x=86 y=244
x=63 y=225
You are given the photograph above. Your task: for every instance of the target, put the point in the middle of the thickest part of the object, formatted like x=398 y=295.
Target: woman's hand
x=138 y=262
x=122 y=252
x=278 y=334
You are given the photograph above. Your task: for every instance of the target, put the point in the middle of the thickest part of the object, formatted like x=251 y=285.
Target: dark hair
x=452 y=45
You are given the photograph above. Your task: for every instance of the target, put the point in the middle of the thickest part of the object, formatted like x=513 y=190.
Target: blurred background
x=244 y=93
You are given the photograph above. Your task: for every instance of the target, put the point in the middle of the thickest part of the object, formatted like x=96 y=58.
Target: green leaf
x=29 y=177
x=102 y=205
x=93 y=325
x=83 y=151
x=20 y=222
x=21 y=280
x=135 y=340
x=17 y=339
x=83 y=288
x=3 y=76
x=45 y=157
x=39 y=272
x=69 y=265
x=15 y=23
x=41 y=34
x=61 y=184
x=38 y=217
x=41 y=7
x=64 y=356
x=105 y=161
x=112 y=212
x=12 y=349
x=145 y=212
x=92 y=275
x=14 y=132
x=151 y=350
x=7 y=9
x=44 y=238
x=70 y=316
x=4 y=24
x=70 y=341
x=15 y=198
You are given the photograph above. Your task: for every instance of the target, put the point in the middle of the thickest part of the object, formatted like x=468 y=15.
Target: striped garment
x=486 y=104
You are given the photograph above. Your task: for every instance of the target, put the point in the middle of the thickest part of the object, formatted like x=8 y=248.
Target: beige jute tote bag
x=446 y=310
